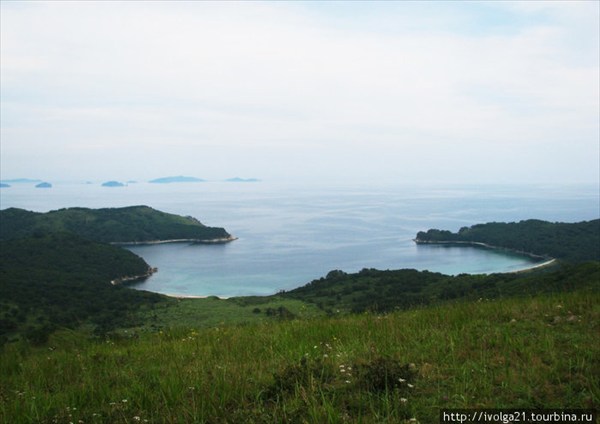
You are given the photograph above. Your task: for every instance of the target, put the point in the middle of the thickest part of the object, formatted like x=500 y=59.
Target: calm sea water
x=291 y=234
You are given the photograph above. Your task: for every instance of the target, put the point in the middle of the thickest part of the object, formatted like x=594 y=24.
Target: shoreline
x=192 y=241
x=536 y=266
x=127 y=279
x=547 y=260
x=193 y=296
x=481 y=244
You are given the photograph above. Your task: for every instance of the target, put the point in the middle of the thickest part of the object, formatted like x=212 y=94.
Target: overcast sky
x=394 y=91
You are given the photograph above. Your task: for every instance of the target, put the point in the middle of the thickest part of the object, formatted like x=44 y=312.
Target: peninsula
x=128 y=225
x=572 y=242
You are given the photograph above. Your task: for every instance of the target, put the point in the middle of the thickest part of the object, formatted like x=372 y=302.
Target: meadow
x=529 y=352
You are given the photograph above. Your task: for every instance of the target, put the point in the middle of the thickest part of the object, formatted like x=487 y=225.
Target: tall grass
x=401 y=367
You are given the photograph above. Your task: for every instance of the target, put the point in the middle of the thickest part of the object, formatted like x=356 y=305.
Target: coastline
x=193 y=296
x=536 y=266
x=193 y=241
x=547 y=260
x=480 y=244
x=126 y=279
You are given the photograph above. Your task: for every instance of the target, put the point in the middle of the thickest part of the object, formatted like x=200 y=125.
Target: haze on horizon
x=496 y=92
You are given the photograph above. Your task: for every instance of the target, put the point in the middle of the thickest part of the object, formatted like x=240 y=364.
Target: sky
x=484 y=92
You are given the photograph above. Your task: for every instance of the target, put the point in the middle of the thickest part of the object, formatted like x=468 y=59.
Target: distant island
x=242 y=180
x=113 y=184
x=21 y=181
x=4 y=185
x=177 y=179
x=43 y=185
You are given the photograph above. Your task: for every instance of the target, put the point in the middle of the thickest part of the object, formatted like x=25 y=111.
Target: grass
x=528 y=352
x=213 y=311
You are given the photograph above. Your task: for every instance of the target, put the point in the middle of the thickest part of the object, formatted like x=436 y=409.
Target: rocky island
x=242 y=180
x=178 y=179
x=113 y=184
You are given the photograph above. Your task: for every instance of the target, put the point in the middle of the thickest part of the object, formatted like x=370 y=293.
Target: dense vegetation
x=567 y=241
x=129 y=224
x=383 y=291
x=61 y=280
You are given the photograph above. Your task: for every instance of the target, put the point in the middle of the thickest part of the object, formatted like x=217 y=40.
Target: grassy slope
x=212 y=312
x=528 y=352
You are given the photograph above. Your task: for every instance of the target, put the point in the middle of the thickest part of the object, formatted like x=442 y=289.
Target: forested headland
x=56 y=268
x=135 y=224
x=566 y=241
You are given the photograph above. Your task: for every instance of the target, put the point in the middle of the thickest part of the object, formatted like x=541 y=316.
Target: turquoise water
x=290 y=234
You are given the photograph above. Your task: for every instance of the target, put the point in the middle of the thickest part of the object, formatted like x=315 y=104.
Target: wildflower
x=403 y=400
x=401 y=380
x=136 y=418
x=347 y=381
x=410 y=386
x=124 y=401
x=325 y=356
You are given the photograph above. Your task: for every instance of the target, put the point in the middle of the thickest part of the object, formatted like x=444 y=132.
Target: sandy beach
x=540 y=265
x=191 y=296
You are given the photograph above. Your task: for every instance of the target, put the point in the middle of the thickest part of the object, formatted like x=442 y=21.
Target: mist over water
x=290 y=234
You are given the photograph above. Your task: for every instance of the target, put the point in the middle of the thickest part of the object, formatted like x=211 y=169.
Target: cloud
x=266 y=83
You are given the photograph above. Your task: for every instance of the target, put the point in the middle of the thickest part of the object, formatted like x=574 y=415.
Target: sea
x=289 y=234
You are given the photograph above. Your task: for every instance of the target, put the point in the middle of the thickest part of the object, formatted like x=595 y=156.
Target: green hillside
x=60 y=280
x=401 y=367
x=384 y=291
x=567 y=241
x=111 y=225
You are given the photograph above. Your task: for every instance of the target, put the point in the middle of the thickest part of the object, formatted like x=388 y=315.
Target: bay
x=289 y=234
